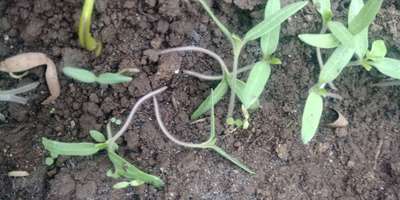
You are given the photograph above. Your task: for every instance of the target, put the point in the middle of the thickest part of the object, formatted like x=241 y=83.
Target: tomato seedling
x=248 y=92
x=87 y=76
x=349 y=42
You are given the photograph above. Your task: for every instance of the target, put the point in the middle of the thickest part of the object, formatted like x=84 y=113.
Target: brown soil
x=361 y=161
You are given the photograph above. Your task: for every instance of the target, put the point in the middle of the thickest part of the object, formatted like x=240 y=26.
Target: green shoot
x=86 y=76
x=209 y=144
x=348 y=42
x=268 y=31
x=86 y=39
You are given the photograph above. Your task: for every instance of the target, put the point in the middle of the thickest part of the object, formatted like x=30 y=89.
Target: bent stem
x=209 y=144
x=221 y=62
x=86 y=39
x=133 y=111
x=214 y=77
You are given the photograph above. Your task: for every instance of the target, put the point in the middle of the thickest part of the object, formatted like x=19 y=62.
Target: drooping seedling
x=86 y=39
x=349 y=42
x=87 y=76
x=248 y=92
x=123 y=170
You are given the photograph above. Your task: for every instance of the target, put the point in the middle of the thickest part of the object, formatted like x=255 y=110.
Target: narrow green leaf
x=365 y=17
x=324 y=8
x=311 y=116
x=97 y=136
x=69 y=149
x=256 y=82
x=136 y=183
x=361 y=39
x=269 y=42
x=79 y=74
x=112 y=78
x=325 y=41
x=218 y=94
x=341 y=33
x=336 y=63
x=378 y=50
x=124 y=169
x=274 y=21
x=388 y=66
x=240 y=92
x=222 y=153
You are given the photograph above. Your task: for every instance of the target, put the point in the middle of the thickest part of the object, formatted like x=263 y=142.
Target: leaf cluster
x=347 y=42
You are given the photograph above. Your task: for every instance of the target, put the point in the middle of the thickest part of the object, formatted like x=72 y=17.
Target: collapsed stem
x=214 y=77
x=224 y=68
x=165 y=130
x=133 y=111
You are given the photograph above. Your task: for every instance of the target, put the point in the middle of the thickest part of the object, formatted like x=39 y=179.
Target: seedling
x=87 y=76
x=123 y=170
x=130 y=175
x=86 y=39
x=347 y=41
x=12 y=95
x=248 y=92
x=26 y=61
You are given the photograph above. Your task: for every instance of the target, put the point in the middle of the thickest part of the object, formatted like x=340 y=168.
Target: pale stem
x=165 y=130
x=214 y=77
x=232 y=99
x=133 y=111
x=202 y=50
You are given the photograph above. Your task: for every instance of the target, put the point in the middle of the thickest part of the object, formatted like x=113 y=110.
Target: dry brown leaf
x=340 y=122
x=26 y=61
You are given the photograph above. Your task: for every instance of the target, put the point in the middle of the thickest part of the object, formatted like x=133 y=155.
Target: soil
x=361 y=161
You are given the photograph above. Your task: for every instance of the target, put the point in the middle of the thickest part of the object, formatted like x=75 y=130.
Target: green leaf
x=273 y=22
x=218 y=94
x=365 y=17
x=124 y=169
x=388 y=66
x=335 y=64
x=256 y=82
x=69 y=149
x=269 y=42
x=112 y=78
x=324 y=8
x=121 y=185
x=97 y=136
x=361 y=39
x=325 y=41
x=222 y=153
x=136 y=183
x=341 y=33
x=49 y=161
x=240 y=92
x=378 y=50
x=80 y=74
x=311 y=116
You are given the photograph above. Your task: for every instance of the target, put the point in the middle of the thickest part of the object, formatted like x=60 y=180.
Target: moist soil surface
x=361 y=161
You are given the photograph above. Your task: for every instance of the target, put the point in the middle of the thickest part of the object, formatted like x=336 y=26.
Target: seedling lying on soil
x=86 y=39
x=249 y=92
x=348 y=42
x=87 y=76
x=26 y=61
x=131 y=175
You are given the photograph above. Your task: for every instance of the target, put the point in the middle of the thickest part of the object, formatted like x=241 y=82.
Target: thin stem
x=224 y=68
x=109 y=130
x=319 y=54
x=133 y=111
x=232 y=99
x=165 y=130
x=387 y=84
x=214 y=77
x=13 y=98
x=354 y=63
